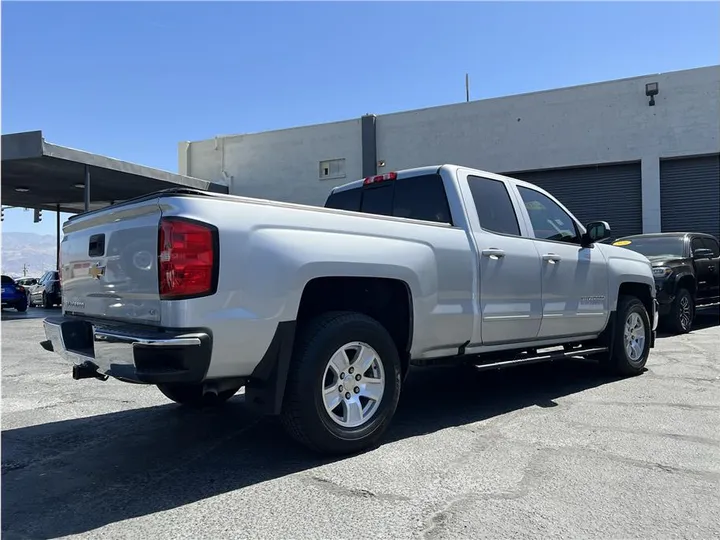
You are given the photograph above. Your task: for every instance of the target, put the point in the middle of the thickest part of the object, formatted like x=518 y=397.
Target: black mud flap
x=266 y=386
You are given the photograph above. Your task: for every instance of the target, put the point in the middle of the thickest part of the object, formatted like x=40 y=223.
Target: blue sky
x=131 y=80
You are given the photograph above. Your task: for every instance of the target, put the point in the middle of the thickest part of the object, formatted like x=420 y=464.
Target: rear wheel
x=193 y=395
x=633 y=333
x=22 y=306
x=682 y=312
x=344 y=383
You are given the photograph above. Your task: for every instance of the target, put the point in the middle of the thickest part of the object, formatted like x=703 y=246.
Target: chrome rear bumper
x=131 y=352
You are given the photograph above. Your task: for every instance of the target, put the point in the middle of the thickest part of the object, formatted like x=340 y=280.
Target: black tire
x=191 y=395
x=46 y=301
x=22 y=307
x=620 y=362
x=304 y=416
x=682 y=312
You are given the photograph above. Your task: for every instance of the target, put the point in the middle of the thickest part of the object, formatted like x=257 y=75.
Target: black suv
x=687 y=277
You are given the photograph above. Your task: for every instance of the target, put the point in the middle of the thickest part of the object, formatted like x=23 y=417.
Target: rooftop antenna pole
x=467 y=88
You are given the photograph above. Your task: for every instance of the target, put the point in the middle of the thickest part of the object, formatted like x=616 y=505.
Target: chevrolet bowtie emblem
x=96 y=271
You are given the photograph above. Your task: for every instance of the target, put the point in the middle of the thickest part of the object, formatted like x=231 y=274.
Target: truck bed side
x=270 y=252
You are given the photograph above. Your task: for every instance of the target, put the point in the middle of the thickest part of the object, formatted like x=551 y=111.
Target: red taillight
x=187 y=258
x=380 y=178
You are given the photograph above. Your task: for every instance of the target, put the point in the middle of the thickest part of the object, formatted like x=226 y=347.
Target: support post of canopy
x=87 y=188
x=57 y=237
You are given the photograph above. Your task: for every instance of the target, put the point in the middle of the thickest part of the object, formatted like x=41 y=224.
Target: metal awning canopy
x=41 y=175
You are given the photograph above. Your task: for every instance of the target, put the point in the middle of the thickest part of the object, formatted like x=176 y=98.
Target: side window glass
x=378 y=200
x=493 y=205
x=713 y=245
x=549 y=221
x=696 y=243
x=421 y=197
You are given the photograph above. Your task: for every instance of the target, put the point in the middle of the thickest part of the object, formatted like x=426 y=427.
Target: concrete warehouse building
x=642 y=153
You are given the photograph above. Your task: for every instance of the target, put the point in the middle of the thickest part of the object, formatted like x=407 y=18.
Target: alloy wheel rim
x=685 y=314
x=634 y=337
x=353 y=384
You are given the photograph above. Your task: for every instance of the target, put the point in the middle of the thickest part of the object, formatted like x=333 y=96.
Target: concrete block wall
x=608 y=122
x=281 y=165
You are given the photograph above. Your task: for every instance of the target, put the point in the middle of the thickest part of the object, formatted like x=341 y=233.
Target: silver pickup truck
x=319 y=312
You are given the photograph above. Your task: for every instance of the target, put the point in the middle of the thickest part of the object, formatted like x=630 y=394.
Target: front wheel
x=344 y=383
x=193 y=395
x=22 y=306
x=46 y=301
x=631 y=346
x=682 y=312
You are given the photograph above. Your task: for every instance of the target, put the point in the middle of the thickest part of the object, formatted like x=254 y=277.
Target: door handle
x=493 y=253
x=552 y=258
x=711 y=268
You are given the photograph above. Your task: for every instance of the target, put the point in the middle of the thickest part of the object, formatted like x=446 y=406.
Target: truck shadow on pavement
x=74 y=476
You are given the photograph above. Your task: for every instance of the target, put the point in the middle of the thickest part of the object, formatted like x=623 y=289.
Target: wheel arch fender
x=687 y=278
x=413 y=263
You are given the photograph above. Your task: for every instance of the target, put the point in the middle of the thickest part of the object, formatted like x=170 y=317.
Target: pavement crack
x=437 y=523
x=663 y=434
x=681 y=406
x=13 y=466
x=328 y=485
x=651 y=465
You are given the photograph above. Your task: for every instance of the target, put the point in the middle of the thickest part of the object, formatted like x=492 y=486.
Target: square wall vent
x=332 y=168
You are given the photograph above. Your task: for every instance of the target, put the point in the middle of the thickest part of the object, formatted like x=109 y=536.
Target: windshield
x=655 y=248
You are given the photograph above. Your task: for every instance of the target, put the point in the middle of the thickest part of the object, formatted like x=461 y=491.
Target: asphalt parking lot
x=545 y=450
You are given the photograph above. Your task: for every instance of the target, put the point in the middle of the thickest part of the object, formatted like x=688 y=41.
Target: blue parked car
x=13 y=294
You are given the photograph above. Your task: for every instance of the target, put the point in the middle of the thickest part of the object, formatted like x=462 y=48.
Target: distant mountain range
x=35 y=252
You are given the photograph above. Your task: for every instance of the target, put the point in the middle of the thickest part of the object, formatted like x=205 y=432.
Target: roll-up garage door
x=611 y=193
x=690 y=194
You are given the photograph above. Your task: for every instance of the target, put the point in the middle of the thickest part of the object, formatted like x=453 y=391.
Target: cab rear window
x=418 y=197
x=345 y=200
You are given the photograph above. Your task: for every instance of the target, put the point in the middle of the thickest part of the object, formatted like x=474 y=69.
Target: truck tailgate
x=109 y=263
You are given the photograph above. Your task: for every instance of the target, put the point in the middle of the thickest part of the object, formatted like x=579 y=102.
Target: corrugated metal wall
x=611 y=193
x=690 y=194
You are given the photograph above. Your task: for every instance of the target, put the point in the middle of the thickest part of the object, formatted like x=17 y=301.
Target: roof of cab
x=404 y=173
x=429 y=169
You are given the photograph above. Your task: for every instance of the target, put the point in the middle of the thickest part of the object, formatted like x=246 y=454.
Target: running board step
x=549 y=357
x=703 y=306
